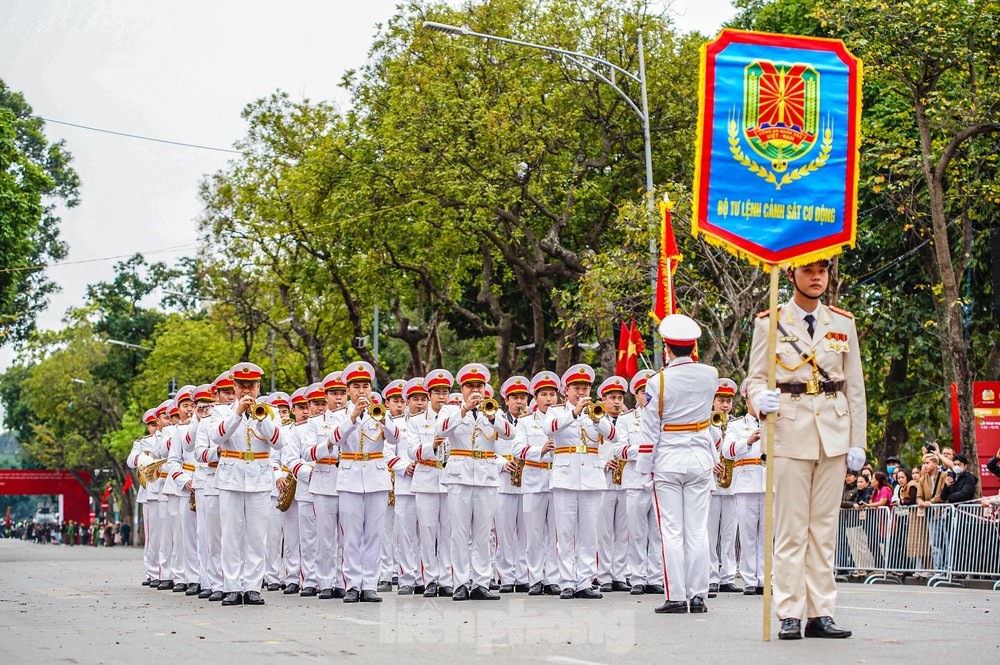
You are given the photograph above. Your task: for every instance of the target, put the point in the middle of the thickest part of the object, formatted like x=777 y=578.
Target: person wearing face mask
x=961 y=487
x=892 y=464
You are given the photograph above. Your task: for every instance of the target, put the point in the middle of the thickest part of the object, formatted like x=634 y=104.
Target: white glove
x=769 y=401
x=855 y=458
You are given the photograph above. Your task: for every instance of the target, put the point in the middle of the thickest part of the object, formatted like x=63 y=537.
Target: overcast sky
x=182 y=71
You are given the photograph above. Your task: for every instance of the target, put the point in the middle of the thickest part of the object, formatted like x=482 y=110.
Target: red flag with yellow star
x=666 y=266
x=623 y=341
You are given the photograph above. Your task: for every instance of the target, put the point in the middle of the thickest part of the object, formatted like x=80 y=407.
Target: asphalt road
x=85 y=605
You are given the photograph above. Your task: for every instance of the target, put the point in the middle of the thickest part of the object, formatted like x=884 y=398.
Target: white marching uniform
x=318 y=449
x=577 y=483
x=645 y=553
x=180 y=471
x=749 y=486
x=146 y=444
x=431 y=498
x=245 y=477
x=721 y=527
x=511 y=562
x=302 y=513
x=472 y=480
x=363 y=486
x=164 y=527
x=405 y=538
x=209 y=511
x=198 y=480
x=612 y=526
x=678 y=450
x=274 y=566
x=539 y=519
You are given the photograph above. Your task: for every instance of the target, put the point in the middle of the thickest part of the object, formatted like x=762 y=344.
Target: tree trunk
x=896 y=432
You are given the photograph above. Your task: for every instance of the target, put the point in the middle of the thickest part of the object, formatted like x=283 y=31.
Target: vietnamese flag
x=623 y=343
x=107 y=493
x=636 y=337
x=128 y=483
x=666 y=300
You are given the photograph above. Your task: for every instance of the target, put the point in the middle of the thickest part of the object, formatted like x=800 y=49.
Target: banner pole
x=772 y=352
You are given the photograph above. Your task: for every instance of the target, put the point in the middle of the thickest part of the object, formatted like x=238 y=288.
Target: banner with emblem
x=776 y=171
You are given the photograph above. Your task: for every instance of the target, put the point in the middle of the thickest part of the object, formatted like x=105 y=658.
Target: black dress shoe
x=535 y=589
x=431 y=591
x=620 y=586
x=419 y=589
x=274 y=586
x=446 y=591
x=309 y=592
x=588 y=594
x=384 y=587
x=291 y=588
x=482 y=593
x=216 y=596
x=339 y=592
x=606 y=587
x=713 y=594
x=165 y=585
x=461 y=593
x=180 y=588
x=551 y=590
x=326 y=594
x=506 y=588
x=638 y=590
x=371 y=596
x=655 y=589
x=193 y=590
x=760 y=591
x=566 y=594
x=405 y=590
x=154 y=584
x=253 y=598
x=749 y=591
x=673 y=607
x=394 y=581
x=825 y=627
x=205 y=594
x=791 y=629
x=521 y=588
x=713 y=588
x=352 y=596
x=698 y=605
x=232 y=598
x=728 y=588
x=494 y=586
x=146 y=581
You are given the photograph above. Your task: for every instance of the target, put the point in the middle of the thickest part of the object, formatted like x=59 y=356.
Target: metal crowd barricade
x=944 y=544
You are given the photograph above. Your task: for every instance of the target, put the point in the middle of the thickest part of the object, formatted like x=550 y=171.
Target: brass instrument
x=720 y=419
x=489 y=407
x=596 y=410
x=149 y=471
x=261 y=411
x=392 y=490
x=517 y=475
x=375 y=411
x=617 y=471
x=287 y=421
x=286 y=495
x=192 y=504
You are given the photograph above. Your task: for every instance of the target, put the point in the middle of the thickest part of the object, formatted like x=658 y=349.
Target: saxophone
x=392 y=489
x=517 y=475
x=720 y=419
x=617 y=471
x=192 y=504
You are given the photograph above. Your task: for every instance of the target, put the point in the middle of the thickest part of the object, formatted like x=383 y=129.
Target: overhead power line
x=138 y=136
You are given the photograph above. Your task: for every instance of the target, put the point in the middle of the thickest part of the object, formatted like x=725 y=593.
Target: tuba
x=286 y=495
x=720 y=419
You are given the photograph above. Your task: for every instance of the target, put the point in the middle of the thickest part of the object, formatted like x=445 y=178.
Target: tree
x=35 y=176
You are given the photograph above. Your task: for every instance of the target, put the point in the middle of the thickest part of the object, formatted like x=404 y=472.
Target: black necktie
x=810 y=324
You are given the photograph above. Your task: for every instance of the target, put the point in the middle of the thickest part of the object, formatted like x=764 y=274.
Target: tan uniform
x=811 y=436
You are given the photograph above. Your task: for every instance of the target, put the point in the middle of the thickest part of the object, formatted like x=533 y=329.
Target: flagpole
x=772 y=356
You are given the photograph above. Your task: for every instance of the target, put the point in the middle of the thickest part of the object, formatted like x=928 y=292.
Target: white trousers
x=202 y=529
x=151 y=548
x=406 y=539
x=209 y=515
x=540 y=538
x=471 y=511
x=291 y=551
x=244 y=536
x=750 y=510
x=512 y=565
x=612 y=538
x=645 y=553
x=722 y=539
x=681 y=501
x=576 y=536
x=165 y=525
x=434 y=523
x=184 y=557
x=362 y=516
x=387 y=566
x=308 y=542
x=273 y=566
x=329 y=558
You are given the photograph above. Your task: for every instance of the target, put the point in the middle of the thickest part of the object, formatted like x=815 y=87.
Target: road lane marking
x=882 y=609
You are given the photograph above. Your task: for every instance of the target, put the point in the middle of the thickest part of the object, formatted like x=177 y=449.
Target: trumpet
x=596 y=410
x=719 y=419
x=489 y=407
x=375 y=411
x=261 y=411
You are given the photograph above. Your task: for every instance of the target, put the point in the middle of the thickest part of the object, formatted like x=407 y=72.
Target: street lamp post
x=589 y=64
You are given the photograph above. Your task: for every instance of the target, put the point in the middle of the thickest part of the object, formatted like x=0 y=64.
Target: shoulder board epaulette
x=842 y=312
